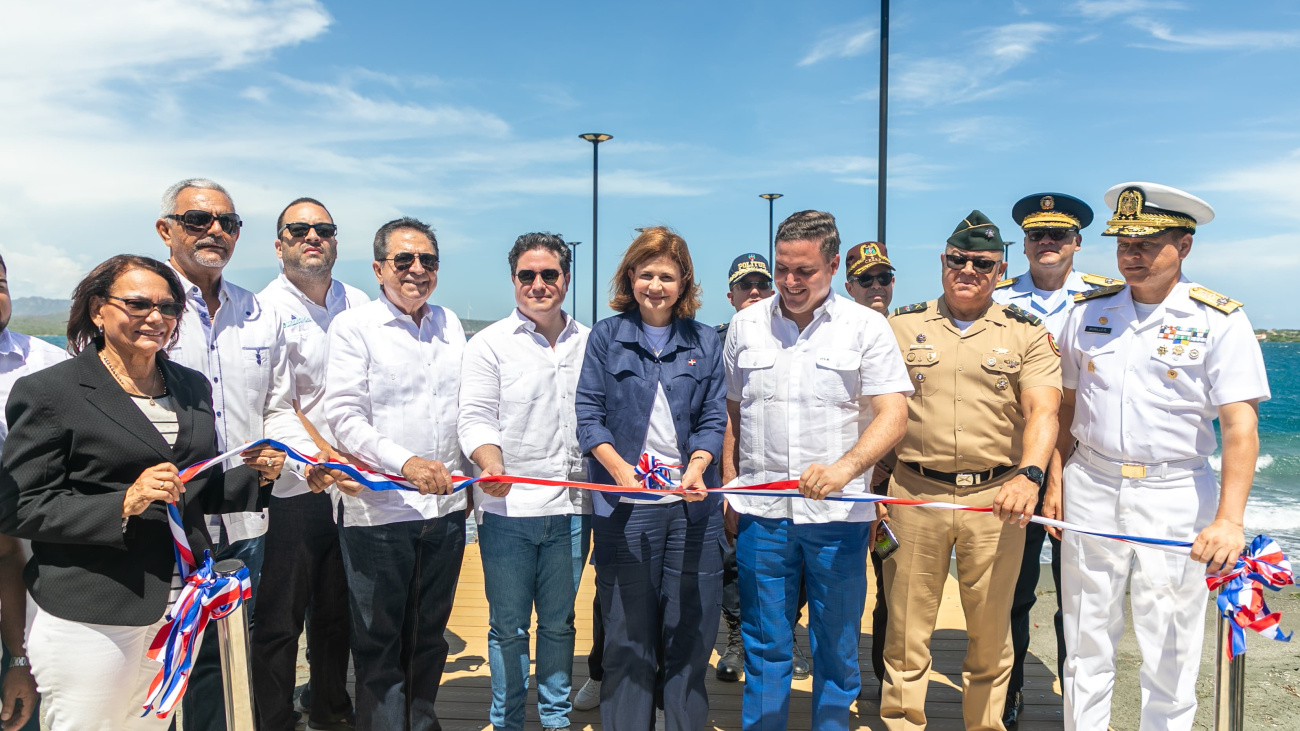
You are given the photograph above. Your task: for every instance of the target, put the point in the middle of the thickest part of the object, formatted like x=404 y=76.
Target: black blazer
x=76 y=443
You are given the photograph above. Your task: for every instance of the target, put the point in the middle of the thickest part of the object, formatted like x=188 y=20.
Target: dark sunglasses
x=202 y=220
x=140 y=307
x=761 y=285
x=526 y=277
x=404 y=260
x=299 y=230
x=1055 y=234
x=885 y=279
x=983 y=266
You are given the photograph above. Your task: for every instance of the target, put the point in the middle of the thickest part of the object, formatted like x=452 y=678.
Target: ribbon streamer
x=1241 y=602
x=655 y=475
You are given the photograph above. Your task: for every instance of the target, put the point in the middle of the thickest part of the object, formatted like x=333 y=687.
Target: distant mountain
x=38 y=306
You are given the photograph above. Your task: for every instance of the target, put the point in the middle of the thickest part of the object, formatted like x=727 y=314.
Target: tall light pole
x=884 y=121
x=595 y=138
x=771 y=235
x=573 y=278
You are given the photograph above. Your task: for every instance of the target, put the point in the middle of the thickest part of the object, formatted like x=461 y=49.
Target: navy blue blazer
x=616 y=392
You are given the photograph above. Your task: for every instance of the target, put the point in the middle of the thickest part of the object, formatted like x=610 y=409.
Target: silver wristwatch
x=19 y=661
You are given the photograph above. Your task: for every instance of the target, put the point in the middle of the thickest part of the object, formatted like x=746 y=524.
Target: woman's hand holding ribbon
x=267 y=460
x=162 y=482
x=693 y=477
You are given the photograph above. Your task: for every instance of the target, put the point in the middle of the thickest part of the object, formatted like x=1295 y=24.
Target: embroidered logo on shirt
x=294 y=322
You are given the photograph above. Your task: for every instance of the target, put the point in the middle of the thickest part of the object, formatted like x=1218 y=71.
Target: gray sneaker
x=732 y=662
x=802 y=668
x=588 y=696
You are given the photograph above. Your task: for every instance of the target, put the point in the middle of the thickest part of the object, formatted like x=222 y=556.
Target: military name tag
x=1097 y=329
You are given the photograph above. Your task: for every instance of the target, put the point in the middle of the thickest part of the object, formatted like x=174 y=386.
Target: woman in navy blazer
x=652 y=382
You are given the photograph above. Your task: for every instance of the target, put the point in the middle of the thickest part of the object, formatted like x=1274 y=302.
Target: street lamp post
x=595 y=138
x=771 y=236
x=881 y=157
x=573 y=278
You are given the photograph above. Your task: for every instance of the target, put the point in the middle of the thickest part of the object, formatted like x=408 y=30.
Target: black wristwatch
x=1034 y=473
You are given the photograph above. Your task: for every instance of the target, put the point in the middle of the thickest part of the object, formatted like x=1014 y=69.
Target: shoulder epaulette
x=918 y=307
x=1021 y=315
x=1097 y=280
x=1006 y=282
x=1219 y=302
x=1093 y=294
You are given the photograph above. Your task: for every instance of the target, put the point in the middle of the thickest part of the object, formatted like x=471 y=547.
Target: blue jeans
x=401 y=583
x=204 y=704
x=774 y=557
x=527 y=562
x=659 y=579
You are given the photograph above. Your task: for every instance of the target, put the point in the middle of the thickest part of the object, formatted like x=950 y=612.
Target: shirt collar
x=395 y=314
x=334 y=298
x=523 y=323
x=827 y=307
x=1024 y=285
x=1179 y=300
x=9 y=344
x=193 y=292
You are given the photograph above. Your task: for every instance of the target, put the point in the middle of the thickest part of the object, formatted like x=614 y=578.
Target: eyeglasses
x=1055 y=234
x=526 y=277
x=761 y=285
x=140 y=307
x=885 y=278
x=202 y=220
x=299 y=230
x=404 y=260
x=983 y=266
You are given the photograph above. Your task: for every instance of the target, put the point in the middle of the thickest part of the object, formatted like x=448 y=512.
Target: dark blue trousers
x=659 y=580
x=1025 y=596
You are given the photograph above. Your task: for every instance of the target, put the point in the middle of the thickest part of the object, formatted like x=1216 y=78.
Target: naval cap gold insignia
x=1047 y=203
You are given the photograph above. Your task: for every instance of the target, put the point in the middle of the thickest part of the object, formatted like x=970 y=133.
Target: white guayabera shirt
x=517 y=392
x=392 y=392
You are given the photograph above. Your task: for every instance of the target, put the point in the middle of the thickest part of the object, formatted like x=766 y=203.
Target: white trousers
x=92 y=677
x=1167 y=591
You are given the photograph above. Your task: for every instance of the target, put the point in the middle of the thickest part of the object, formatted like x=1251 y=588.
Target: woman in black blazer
x=91 y=459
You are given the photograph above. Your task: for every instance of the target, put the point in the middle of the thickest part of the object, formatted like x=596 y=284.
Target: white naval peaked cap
x=1166 y=198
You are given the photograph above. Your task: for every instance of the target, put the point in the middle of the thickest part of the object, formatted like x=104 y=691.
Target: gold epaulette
x=1093 y=294
x=1219 y=302
x=1097 y=280
x=1006 y=282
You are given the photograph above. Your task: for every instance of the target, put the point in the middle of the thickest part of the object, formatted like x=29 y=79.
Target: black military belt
x=961 y=479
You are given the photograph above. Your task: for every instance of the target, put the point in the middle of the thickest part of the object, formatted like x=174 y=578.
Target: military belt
x=961 y=479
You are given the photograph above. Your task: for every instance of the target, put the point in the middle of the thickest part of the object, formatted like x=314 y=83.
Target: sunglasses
x=885 y=279
x=983 y=266
x=761 y=285
x=140 y=307
x=526 y=277
x=299 y=230
x=202 y=220
x=404 y=260
x=1056 y=234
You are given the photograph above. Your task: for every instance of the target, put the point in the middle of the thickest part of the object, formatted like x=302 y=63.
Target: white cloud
x=1103 y=9
x=974 y=77
x=906 y=171
x=847 y=41
x=1274 y=184
x=1217 y=40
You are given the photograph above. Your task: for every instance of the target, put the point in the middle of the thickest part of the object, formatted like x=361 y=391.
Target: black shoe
x=732 y=661
x=336 y=722
x=1015 y=707
x=802 y=668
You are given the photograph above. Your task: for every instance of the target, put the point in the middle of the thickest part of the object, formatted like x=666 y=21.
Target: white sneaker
x=661 y=723
x=588 y=696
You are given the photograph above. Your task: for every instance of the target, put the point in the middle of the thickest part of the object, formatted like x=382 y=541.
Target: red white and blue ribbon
x=1241 y=601
x=654 y=474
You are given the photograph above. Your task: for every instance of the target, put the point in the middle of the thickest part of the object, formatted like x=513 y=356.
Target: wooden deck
x=466 y=691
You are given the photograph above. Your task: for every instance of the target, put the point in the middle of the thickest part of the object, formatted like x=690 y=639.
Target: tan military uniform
x=965 y=417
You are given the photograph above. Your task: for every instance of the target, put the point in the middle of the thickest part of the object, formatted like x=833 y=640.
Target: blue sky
x=466 y=115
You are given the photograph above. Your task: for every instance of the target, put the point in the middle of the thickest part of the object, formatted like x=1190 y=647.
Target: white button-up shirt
x=1050 y=307
x=21 y=355
x=241 y=351
x=305 y=325
x=516 y=392
x=1148 y=393
x=392 y=392
x=804 y=398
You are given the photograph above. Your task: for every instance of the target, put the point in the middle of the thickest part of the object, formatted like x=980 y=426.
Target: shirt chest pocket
x=1001 y=373
x=257 y=373
x=387 y=384
x=758 y=371
x=836 y=376
x=1180 y=381
x=921 y=371
x=524 y=387
x=1100 y=362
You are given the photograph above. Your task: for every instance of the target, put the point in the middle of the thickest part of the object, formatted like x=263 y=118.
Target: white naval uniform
x=1050 y=307
x=1146 y=394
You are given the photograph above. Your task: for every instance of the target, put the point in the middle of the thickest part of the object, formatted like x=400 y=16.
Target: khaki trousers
x=988 y=564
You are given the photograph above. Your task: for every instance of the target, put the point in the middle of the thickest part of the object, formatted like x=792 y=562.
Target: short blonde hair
x=655 y=242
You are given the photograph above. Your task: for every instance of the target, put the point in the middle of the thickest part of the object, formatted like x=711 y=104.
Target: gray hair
x=406 y=222
x=816 y=226
x=553 y=243
x=169 y=196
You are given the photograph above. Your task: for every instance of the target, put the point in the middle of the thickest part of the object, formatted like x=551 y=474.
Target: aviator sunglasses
x=202 y=220
x=404 y=260
x=141 y=307
x=983 y=266
x=526 y=277
x=1056 y=234
x=885 y=279
x=299 y=230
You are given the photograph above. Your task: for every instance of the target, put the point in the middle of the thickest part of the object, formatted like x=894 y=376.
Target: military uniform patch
x=1219 y=302
x=1006 y=282
x=918 y=307
x=1097 y=280
x=1099 y=292
x=1021 y=315
x=1052 y=342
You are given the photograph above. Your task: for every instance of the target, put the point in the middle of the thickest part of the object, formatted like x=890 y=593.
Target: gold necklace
x=123 y=382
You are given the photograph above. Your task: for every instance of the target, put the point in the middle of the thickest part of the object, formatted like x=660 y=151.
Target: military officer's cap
x=976 y=233
x=864 y=256
x=1051 y=210
x=1146 y=209
x=747 y=264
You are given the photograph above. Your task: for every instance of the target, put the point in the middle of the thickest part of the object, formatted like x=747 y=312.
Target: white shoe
x=588 y=696
x=660 y=722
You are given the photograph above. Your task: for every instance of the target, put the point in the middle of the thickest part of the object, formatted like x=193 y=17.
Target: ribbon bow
x=655 y=475
x=1242 y=599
